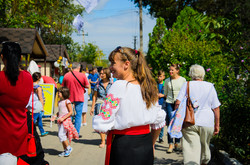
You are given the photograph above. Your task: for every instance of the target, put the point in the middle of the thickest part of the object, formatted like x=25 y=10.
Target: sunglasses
x=120 y=49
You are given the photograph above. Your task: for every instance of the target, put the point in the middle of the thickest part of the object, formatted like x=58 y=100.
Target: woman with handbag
x=172 y=87
x=196 y=138
x=15 y=90
x=100 y=92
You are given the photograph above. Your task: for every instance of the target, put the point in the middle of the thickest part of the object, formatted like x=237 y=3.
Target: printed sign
x=49 y=93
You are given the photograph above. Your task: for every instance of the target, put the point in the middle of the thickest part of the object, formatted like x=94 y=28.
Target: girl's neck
x=175 y=76
x=105 y=80
x=130 y=77
x=62 y=99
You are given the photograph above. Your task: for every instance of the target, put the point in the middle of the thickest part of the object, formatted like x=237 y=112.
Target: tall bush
x=221 y=46
x=183 y=44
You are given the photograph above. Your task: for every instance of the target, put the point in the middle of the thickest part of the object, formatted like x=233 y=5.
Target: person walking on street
x=172 y=87
x=15 y=90
x=93 y=79
x=101 y=90
x=86 y=99
x=161 y=96
x=130 y=108
x=38 y=96
x=76 y=82
x=66 y=130
x=196 y=138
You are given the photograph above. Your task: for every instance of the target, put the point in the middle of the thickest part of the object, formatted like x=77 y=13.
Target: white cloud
x=101 y=4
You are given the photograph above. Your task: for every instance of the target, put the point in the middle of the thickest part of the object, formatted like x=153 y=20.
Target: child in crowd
x=65 y=127
x=38 y=96
x=161 y=96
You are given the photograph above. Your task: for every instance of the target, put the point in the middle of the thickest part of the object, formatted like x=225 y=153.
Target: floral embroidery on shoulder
x=110 y=103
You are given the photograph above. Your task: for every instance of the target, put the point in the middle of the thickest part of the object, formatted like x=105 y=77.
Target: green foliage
x=89 y=53
x=183 y=44
x=221 y=47
x=170 y=9
x=52 y=18
x=155 y=40
x=235 y=117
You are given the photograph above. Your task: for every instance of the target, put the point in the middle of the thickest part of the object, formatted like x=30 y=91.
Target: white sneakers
x=66 y=152
x=83 y=124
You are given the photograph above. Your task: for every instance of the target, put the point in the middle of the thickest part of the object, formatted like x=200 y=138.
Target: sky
x=114 y=23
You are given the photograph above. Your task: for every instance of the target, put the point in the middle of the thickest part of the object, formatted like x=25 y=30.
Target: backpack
x=37 y=104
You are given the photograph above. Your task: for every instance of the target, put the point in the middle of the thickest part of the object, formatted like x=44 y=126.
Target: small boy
x=161 y=101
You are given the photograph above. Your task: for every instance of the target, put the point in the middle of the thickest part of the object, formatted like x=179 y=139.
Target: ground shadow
x=53 y=133
x=164 y=161
x=88 y=141
x=51 y=151
x=160 y=147
x=164 y=148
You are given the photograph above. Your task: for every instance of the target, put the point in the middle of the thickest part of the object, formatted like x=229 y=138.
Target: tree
x=218 y=45
x=183 y=44
x=91 y=54
x=170 y=9
x=154 y=55
x=53 y=19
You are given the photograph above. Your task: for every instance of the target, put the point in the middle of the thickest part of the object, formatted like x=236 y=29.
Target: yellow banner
x=49 y=93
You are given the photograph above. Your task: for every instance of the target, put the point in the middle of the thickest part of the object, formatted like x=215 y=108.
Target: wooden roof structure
x=54 y=51
x=29 y=40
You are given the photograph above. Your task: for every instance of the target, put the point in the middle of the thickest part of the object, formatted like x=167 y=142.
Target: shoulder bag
x=189 y=117
x=172 y=87
x=78 y=81
x=31 y=138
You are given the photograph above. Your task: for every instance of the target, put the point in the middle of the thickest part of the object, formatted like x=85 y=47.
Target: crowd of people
x=130 y=108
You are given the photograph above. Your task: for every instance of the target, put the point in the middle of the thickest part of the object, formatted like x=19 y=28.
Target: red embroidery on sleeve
x=110 y=103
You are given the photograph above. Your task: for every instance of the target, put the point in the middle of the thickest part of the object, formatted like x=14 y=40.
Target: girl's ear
x=126 y=64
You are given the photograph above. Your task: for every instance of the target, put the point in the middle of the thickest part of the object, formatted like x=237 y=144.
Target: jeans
x=38 y=118
x=162 y=129
x=8 y=159
x=78 y=116
x=169 y=109
x=161 y=133
x=91 y=94
x=97 y=109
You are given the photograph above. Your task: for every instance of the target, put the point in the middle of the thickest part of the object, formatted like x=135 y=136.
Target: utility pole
x=83 y=36
x=135 y=42
x=83 y=42
x=141 y=29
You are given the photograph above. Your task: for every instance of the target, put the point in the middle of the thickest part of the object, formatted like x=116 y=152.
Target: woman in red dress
x=15 y=90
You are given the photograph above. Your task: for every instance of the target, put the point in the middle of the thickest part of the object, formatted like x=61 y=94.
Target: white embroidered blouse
x=124 y=107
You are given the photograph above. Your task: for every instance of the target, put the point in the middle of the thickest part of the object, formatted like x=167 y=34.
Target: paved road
x=86 y=150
